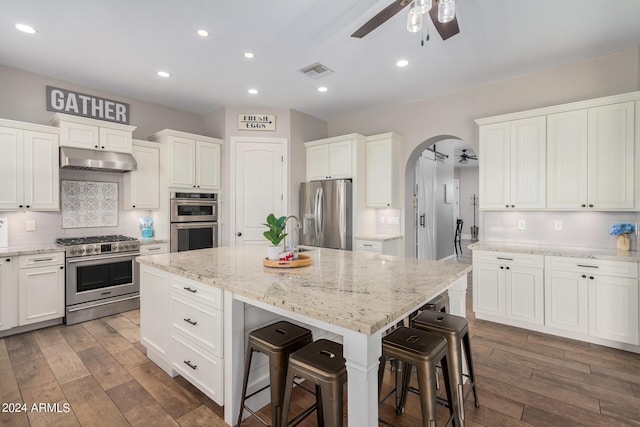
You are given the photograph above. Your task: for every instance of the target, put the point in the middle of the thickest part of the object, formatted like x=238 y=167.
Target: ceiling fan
x=442 y=14
x=464 y=157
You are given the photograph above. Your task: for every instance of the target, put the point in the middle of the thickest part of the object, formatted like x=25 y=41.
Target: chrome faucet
x=297 y=228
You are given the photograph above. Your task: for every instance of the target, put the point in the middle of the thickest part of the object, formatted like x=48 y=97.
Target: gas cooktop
x=96 y=245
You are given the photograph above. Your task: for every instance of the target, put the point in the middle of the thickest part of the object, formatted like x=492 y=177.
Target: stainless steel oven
x=194 y=221
x=102 y=277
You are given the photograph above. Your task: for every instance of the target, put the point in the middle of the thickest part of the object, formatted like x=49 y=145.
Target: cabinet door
x=379 y=173
x=11 y=168
x=142 y=186
x=613 y=308
x=182 y=157
x=528 y=163
x=41 y=171
x=611 y=156
x=489 y=289
x=207 y=165
x=79 y=135
x=41 y=294
x=115 y=140
x=155 y=318
x=566 y=301
x=494 y=166
x=340 y=160
x=318 y=162
x=567 y=160
x=8 y=294
x=524 y=294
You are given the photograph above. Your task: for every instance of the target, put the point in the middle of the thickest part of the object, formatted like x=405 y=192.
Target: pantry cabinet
x=142 y=186
x=381 y=171
x=91 y=134
x=30 y=167
x=331 y=158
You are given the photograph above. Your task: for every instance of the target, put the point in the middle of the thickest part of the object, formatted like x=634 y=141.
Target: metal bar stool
x=437 y=303
x=277 y=341
x=413 y=347
x=322 y=364
x=455 y=330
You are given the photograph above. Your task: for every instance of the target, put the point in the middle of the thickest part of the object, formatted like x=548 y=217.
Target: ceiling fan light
x=414 y=20
x=446 y=11
x=423 y=6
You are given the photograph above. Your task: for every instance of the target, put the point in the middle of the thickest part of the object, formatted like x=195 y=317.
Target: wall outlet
x=381 y=220
x=522 y=224
x=557 y=226
x=393 y=220
x=30 y=224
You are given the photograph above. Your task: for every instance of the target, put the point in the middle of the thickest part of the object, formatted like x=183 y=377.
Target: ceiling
x=119 y=45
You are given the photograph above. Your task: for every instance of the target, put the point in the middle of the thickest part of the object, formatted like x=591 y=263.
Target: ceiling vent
x=316 y=71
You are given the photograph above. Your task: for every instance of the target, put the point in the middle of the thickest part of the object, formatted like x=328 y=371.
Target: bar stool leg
x=447 y=380
x=457 y=380
x=426 y=382
x=332 y=405
x=319 y=407
x=247 y=365
x=277 y=377
x=472 y=377
x=286 y=403
x=403 y=383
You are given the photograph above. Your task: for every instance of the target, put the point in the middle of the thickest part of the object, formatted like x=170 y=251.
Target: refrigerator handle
x=343 y=215
x=316 y=215
x=321 y=210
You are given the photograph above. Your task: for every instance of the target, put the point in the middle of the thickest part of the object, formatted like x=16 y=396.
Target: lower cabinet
x=385 y=247
x=40 y=288
x=8 y=293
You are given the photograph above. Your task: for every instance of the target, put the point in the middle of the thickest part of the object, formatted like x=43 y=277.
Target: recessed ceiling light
x=163 y=74
x=322 y=89
x=248 y=55
x=402 y=63
x=26 y=28
x=202 y=33
x=253 y=91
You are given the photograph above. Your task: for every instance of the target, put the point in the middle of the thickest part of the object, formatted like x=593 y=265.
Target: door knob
x=239 y=234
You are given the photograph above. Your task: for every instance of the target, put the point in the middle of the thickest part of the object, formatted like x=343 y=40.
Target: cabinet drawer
x=204 y=294
x=154 y=248
x=203 y=370
x=41 y=260
x=596 y=266
x=512 y=258
x=369 y=245
x=201 y=323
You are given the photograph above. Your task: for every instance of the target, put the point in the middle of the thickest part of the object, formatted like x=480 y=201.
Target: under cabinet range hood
x=94 y=160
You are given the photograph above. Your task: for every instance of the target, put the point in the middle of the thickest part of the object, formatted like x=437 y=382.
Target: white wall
x=468 y=187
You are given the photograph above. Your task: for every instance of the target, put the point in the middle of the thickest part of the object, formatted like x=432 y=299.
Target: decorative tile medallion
x=89 y=204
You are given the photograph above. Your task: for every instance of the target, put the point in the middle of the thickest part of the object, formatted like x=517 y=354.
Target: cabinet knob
x=239 y=234
x=584 y=206
x=133 y=206
x=584 y=276
x=506 y=206
x=61 y=267
x=591 y=277
x=501 y=267
x=513 y=206
x=28 y=206
x=102 y=147
x=507 y=267
x=590 y=206
x=8 y=259
x=20 y=206
x=95 y=146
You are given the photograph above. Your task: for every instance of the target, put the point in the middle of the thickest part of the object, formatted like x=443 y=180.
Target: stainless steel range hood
x=106 y=161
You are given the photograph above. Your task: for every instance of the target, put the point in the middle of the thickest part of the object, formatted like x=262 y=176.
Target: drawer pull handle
x=588 y=266
x=153 y=249
x=506 y=259
x=191 y=322
x=42 y=259
x=193 y=291
x=191 y=365
x=368 y=246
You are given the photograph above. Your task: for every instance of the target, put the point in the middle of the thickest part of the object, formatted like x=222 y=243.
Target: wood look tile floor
x=99 y=371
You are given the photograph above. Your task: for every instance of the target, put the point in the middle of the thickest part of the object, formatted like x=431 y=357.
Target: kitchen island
x=356 y=295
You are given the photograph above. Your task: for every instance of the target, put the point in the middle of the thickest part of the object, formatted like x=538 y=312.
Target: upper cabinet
x=191 y=161
x=29 y=165
x=142 y=186
x=81 y=132
x=578 y=156
x=512 y=164
x=381 y=171
x=331 y=158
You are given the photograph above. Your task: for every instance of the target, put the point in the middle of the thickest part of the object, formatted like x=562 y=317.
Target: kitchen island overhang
x=357 y=295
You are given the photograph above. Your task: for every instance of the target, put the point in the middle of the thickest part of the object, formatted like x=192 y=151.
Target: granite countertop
x=378 y=237
x=588 y=253
x=30 y=250
x=361 y=291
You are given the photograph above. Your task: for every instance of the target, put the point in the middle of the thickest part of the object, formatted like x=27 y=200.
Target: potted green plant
x=275 y=234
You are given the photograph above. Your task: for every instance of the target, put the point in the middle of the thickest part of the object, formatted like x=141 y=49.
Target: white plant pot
x=273 y=252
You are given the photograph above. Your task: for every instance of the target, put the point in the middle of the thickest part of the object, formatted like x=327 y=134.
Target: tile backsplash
x=88 y=204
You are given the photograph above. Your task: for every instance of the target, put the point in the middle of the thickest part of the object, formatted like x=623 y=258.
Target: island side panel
x=458 y=297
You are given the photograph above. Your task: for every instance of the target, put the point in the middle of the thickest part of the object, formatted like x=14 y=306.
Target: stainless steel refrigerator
x=325 y=211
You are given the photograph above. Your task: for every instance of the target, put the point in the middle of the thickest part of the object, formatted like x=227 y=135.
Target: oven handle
x=71 y=310
x=194 y=224
x=100 y=257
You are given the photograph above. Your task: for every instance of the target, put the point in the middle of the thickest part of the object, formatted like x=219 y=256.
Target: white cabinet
x=590 y=161
x=142 y=186
x=385 y=247
x=512 y=164
x=594 y=297
x=191 y=161
x=381 y=171
x=153 y=248
x=8 y=293
x=41 y=287
x=155 y=322
x=29 y=165
x=91 y=134
x=330 y=158
x=509 y=285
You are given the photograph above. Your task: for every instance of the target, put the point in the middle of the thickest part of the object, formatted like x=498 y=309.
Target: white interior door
x=425 y=168
x=259 y=188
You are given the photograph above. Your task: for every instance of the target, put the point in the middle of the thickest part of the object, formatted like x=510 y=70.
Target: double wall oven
x=102 y=276
x=194 y=221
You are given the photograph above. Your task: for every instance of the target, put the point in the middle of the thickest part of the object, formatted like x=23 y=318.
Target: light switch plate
x=522 y=224
x=557 y=226
x=4 y=233
x=30 y=224
x=381 y=220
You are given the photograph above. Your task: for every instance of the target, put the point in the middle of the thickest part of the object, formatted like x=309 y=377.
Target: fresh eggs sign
x=80 y=104
x=256 y=122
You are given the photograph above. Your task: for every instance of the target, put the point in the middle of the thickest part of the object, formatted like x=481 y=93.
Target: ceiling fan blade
x=447 y=30
x=383 y=16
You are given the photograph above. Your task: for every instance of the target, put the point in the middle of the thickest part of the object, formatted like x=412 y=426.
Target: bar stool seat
x=413 y=347
x=455 y=330
x=321 y=363
x=277 y=341
x=437 y=303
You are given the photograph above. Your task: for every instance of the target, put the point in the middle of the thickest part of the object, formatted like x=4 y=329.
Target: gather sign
x=80 y=104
